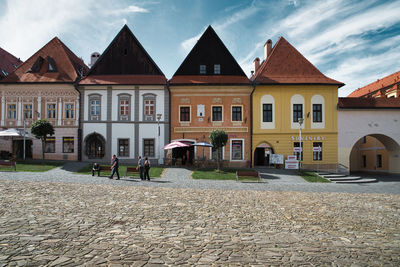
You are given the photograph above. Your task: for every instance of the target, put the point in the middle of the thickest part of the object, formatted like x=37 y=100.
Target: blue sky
x=355 y=42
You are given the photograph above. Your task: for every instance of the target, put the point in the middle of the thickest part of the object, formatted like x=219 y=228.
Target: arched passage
x=94 y=146
x=262 y=154
x=375 y=153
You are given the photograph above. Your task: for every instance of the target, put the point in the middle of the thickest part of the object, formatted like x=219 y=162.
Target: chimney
x=93 y=58
x=256 y=63
x=267 y=48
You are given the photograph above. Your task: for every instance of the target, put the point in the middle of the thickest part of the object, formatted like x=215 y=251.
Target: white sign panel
x=316 y=149
x=292 y=164
x=292 y=157
x=200 y=111
x=276 y=159
x=297 y=149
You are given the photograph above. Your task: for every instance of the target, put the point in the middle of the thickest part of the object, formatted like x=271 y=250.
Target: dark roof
x=390 y=80
x=286 y=65
x=8 y=63
x=209 y=51
x=125 y=56
x=368 y=103
x=54 y=62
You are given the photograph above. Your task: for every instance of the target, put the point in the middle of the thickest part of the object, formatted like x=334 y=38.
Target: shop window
x=298 y=152
x=379 y=161
x=123 y=147
x=217 y=113
x=236 y=149
x=184 y=114
x=68 y=144
x=69 y=111
x=12 y=111
x=317 y=112
x=237 y=113
x=317 y=151
x=267 y=112
x=297 y=112
x=148 y=147
x=50 y=145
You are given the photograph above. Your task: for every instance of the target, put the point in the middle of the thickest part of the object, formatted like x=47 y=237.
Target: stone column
x=19 y=112
x=59 y=123
x=39 y=108
x=3 y=110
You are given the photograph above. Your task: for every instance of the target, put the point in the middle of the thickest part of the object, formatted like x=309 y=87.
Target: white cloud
x=189 y=43
x=128 y=10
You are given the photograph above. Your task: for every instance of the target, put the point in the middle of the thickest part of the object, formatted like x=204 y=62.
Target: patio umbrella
x=175 y=144
x=11 y=133
x=203 y=144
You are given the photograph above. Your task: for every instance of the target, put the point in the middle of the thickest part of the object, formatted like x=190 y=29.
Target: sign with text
x=276 y=159
x=297 y=149
x=316 y=149
x=292 y=164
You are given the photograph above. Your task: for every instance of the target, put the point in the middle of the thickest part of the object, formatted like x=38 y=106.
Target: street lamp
x=300 y=120
x=158 y=136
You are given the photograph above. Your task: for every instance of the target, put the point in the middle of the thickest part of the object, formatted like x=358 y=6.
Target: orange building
x=386 y=87
x=210 y=91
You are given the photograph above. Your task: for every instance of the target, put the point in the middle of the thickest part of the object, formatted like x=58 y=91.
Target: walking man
x=146 y=169
x=141 y=167
x=114 y=166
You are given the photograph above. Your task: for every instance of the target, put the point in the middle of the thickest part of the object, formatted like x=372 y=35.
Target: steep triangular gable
x=125 y=56
x=286 y=65
x=209 y=51
x=36 y=69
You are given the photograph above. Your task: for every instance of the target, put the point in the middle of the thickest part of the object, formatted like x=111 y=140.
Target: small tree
x=40 y=129
x=218 y=139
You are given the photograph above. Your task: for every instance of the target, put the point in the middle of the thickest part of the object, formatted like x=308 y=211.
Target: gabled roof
x=123 y=79
x=209 y=51
x=8 y=63
x=53 y=63
x=368 y=103
x=390 y=80
x=125 y=56
x=286 y=65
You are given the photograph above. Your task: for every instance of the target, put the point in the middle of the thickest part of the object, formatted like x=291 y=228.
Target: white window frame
x=217 y=68
x=297 y=99
x=55 y=110
x=203 y=69
x=267 y=99
x=230 y=149
x=73 y=110
x=190 y=113
x=92 y=97
x=317 y=99
x=222 y=113
x=241 y=111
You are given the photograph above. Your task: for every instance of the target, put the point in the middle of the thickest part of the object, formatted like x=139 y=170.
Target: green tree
x=218 y=139
x=41 y=129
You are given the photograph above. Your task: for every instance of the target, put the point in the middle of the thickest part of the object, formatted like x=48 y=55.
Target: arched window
x=95 y=146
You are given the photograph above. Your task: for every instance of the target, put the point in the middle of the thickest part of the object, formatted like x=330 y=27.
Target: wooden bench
x=105 y=168
x=255 y=174
x=131 y=170
x=12 y=164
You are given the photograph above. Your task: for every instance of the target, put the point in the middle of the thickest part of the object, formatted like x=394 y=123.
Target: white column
x=77 y=113
x=3 y=110
x=60 y=111
x=39 y=108
x=19 y=112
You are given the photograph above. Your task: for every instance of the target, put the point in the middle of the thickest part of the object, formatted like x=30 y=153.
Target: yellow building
x=291 y=93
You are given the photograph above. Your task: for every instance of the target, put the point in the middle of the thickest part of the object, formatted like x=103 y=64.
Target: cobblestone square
x=67 y=224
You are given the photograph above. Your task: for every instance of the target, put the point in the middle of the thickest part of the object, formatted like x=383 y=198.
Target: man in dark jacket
x=114 y=166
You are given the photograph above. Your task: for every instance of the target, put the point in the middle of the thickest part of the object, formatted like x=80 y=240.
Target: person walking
x=114 y=166
x=146 y=168
x=141 y=167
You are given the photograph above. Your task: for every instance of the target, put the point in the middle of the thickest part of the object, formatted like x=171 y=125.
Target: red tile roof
x=286 y=65
x=389 y=80
x=124 y=79
x=208 y=79
x=368 y=103
x=7 y=62
x=68 y=66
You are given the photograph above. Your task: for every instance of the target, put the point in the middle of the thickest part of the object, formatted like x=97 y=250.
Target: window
x=123 y=147
x=51 y=111
x=28 y=111
x=94 y=107
x=317 y=151
x=364 y=139
x=149 y=108
x=12 y=111
x=50 y=145
x=51 y=67
x=5 y=73
x=148 y=147
x=267 y=112
x=217 y=69
x=298 y=152
x=236 y=113
x=68 y=145
x=69 y=111
x=364 y=161
x=124 y=107
x=217 y=113
x=237 y=150
x=202 y=69
x=379 y=161
x=297 y=112
x=317 y=112
x=184 y=114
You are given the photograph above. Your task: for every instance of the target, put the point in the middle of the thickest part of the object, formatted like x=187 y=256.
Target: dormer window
x=5 y=73
x=51 y=67
x=202 y=69
x=217 y=69
x=37 y=65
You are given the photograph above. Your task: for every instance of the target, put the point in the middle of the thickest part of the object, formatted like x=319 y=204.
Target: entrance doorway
x=262 y=154
x=95 y=146
x=183 y=155
x=18 y=149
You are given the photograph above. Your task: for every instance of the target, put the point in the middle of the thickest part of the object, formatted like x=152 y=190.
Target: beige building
x=43 y=87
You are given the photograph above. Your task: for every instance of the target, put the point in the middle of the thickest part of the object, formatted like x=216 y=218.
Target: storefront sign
x=308 y=138
x=297 y=149
x=276 y=159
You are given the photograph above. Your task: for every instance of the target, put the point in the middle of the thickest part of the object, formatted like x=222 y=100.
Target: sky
x=355 y=42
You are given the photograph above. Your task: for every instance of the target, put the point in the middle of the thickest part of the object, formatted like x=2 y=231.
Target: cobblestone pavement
x=68 y=224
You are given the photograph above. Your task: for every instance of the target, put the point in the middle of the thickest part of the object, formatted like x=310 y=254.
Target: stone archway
x=262 y=154
x=95 y=146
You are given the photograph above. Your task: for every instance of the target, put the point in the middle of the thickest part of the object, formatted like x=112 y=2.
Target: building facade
x=125 y=104
x=293 y=98
x=210 y=91
x=43 y=87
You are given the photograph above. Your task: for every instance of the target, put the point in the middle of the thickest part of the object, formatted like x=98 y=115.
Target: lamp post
x=301 y=120
x=158 y=136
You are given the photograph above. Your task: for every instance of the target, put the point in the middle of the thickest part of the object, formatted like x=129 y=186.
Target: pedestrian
x=141 y=167
x=146 y=168
x=114 y=166
x=96 y=168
